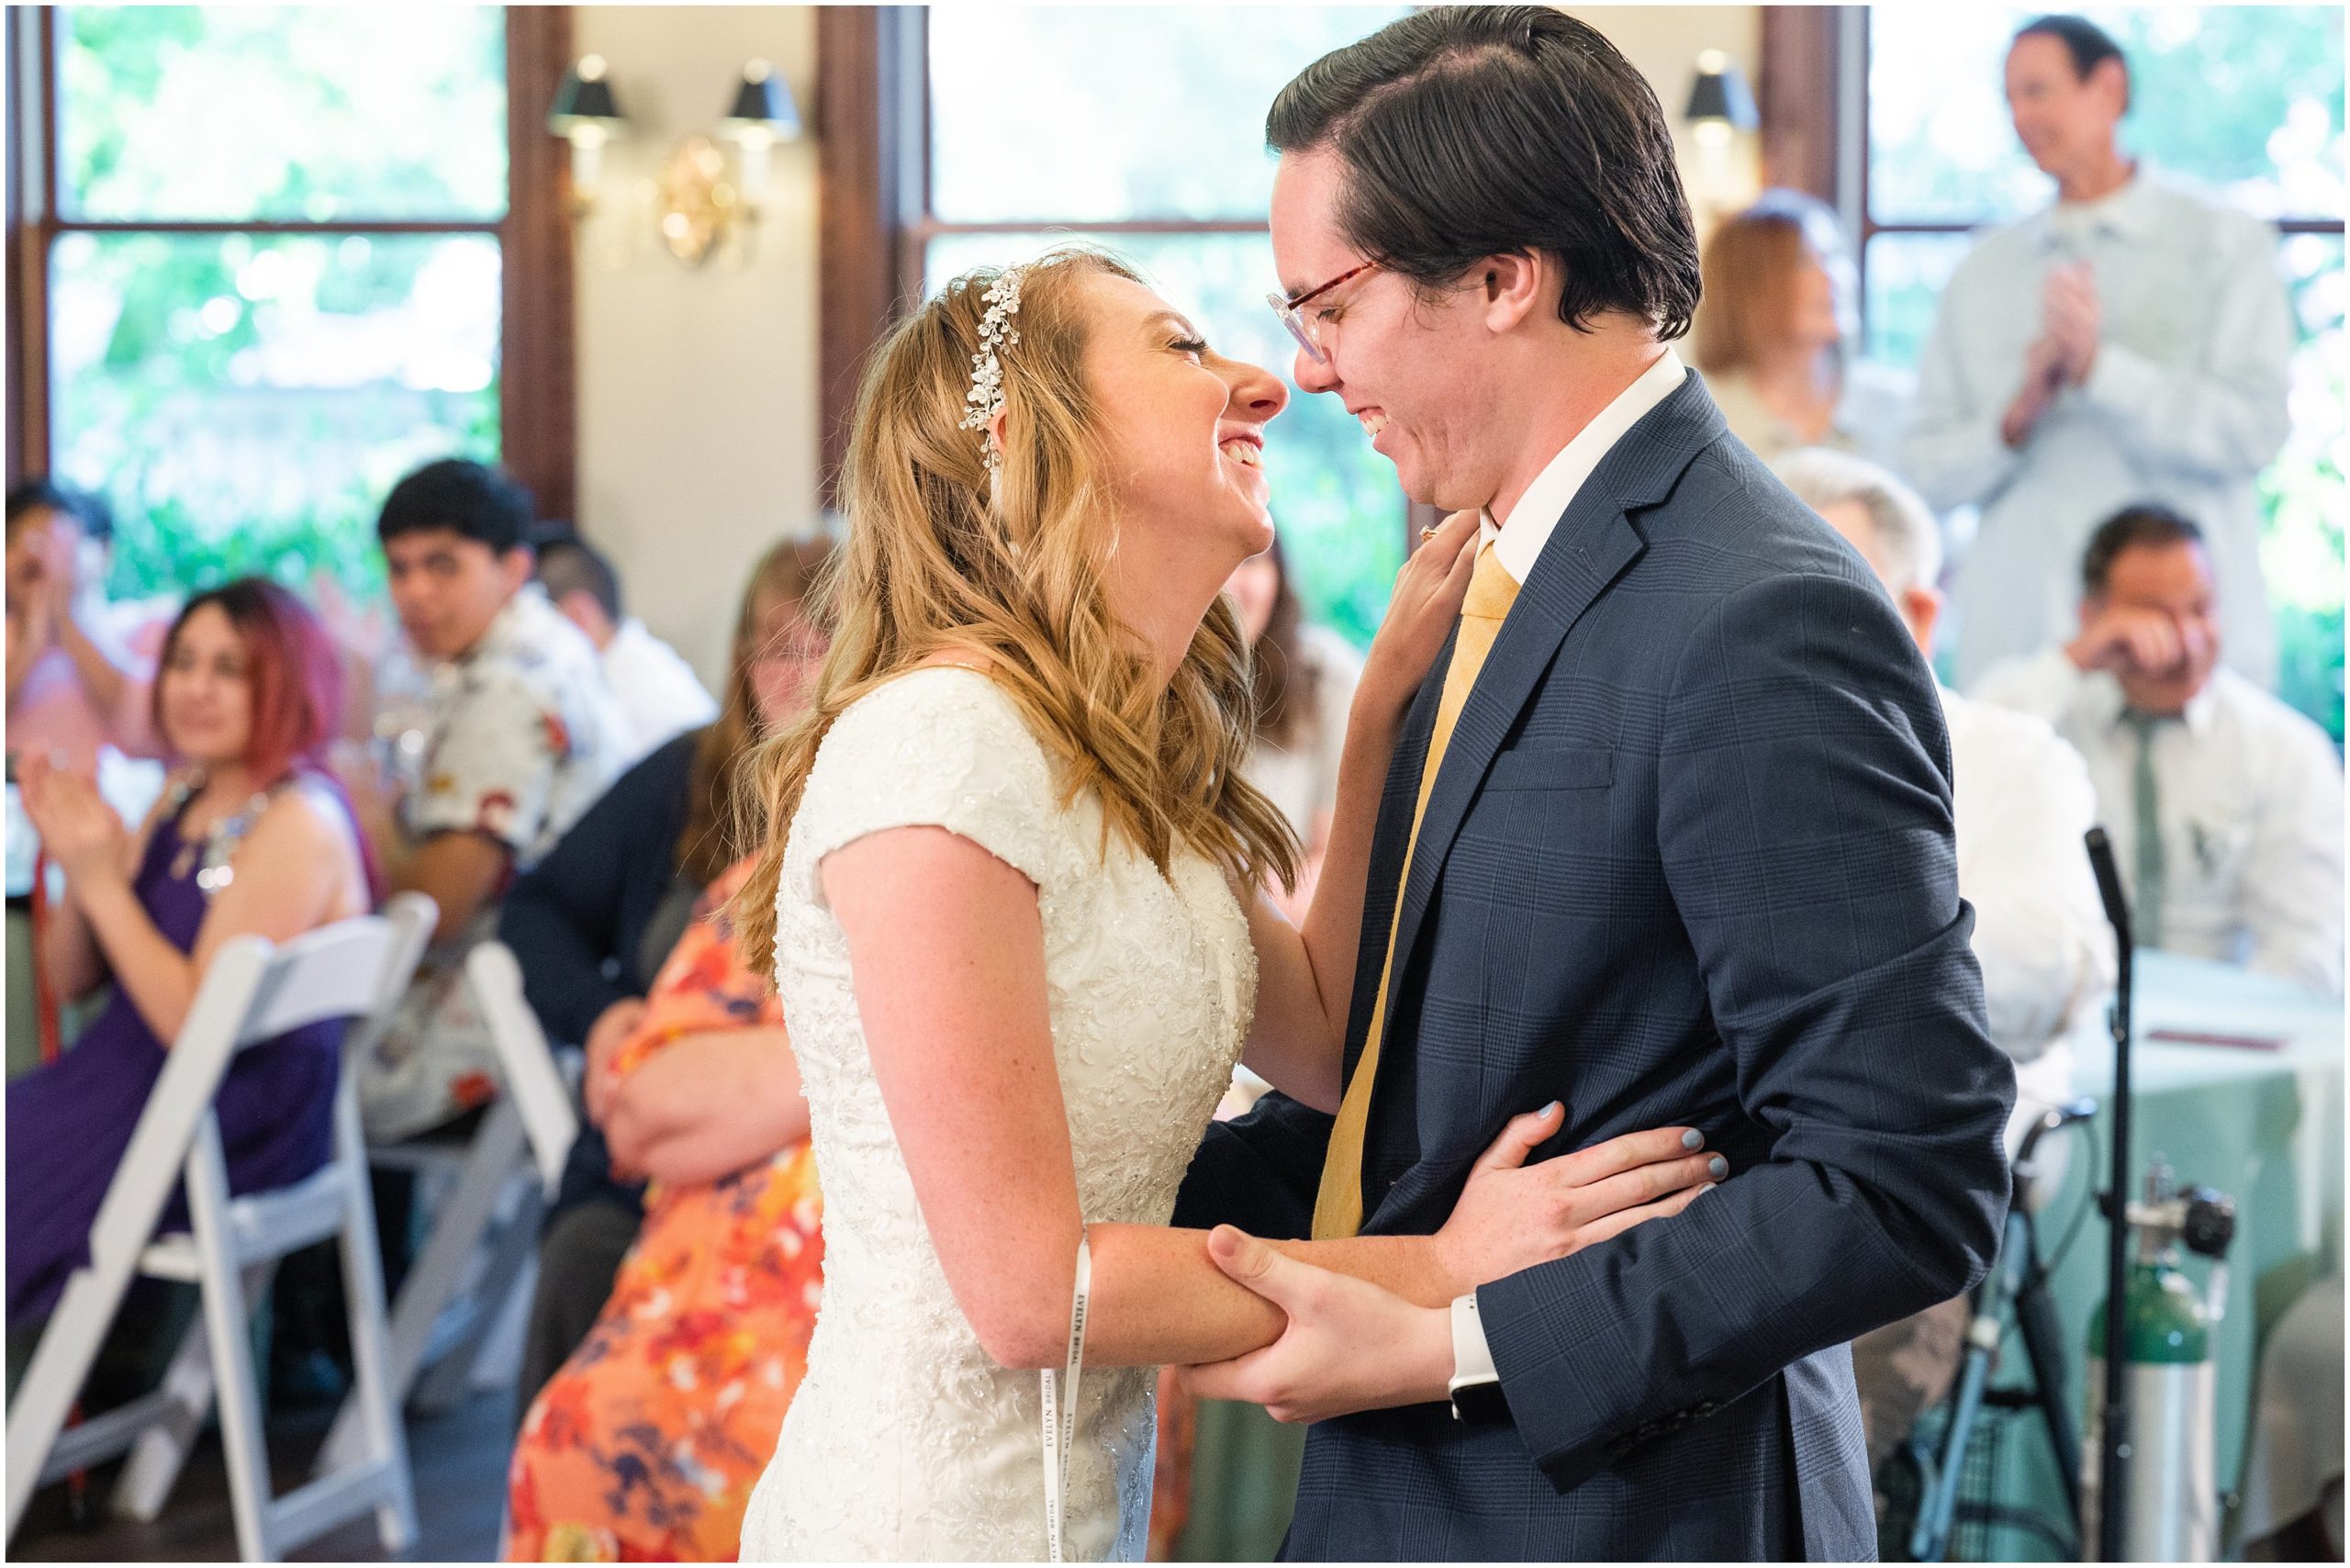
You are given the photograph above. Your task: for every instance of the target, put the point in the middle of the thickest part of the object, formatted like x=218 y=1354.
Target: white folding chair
x=498 y=1184
x=253 y=992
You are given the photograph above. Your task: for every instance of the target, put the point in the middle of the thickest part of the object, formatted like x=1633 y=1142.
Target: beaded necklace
x=220 y=843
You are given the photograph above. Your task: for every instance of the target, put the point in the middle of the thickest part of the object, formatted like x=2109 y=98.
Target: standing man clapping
x=2129 y=343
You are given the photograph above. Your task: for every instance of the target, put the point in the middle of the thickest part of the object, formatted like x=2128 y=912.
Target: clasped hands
x=1349 y=1344
x=2071 y=319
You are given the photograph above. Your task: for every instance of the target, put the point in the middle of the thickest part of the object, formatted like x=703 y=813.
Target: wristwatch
x=1476 y=1387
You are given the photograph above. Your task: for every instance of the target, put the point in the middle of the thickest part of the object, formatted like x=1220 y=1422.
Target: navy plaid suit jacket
x=1689 y=861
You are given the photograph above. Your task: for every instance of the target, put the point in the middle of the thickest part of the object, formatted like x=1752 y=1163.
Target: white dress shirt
x=2023 y=801
x=2185 y=404
x=1517 y=541
x=1518 y=538
x=2249 y=793
x=660 y=695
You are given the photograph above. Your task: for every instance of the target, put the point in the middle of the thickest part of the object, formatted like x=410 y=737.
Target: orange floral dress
x=645 y=1447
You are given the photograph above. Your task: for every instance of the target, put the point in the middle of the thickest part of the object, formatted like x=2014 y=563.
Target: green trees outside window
x=323 y=310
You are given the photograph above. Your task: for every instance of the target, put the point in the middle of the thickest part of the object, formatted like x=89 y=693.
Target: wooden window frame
x=538 y=413
x=868 y=171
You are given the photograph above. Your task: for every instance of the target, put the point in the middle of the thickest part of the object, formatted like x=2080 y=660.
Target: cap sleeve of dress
x=939 y=747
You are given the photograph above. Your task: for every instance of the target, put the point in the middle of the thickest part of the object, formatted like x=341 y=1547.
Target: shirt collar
x=2201 y=706
x=2126 y=213
x=511 y=624
x=1537 y=514
x=2112 y=710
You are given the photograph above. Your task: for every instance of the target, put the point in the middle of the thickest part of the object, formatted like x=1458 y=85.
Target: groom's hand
x=1350 y=1345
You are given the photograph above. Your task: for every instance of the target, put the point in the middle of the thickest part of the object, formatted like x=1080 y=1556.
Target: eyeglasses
x=1307 y=330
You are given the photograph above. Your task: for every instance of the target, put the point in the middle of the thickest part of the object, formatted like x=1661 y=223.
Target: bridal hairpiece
x=985 y=399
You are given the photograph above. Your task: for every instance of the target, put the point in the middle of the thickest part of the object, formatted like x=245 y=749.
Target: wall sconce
x=1720 y=109
x=762 y=115
x=587 y=115
x=704 y=202
x=701 y=211
x=1720 y=103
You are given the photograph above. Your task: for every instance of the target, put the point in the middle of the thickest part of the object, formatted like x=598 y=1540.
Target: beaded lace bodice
x=906 y=1441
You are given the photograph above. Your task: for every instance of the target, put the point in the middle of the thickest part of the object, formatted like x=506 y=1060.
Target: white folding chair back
x=253 y=992
x=540 y=1088
x=487 y=1229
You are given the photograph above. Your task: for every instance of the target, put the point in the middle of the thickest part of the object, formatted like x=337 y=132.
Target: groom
x=1668 y=840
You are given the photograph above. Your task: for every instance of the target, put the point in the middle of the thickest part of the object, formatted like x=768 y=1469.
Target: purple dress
x=71 y=1121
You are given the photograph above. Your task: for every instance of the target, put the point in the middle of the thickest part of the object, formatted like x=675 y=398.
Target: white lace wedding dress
x=905 y=1440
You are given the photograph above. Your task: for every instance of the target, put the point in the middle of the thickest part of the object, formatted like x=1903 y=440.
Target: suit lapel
x=1593 y=545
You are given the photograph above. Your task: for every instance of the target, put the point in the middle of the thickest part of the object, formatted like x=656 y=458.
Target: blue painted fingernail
x=1552 y=1107
x=1717 y=1166
x=1692 y=1139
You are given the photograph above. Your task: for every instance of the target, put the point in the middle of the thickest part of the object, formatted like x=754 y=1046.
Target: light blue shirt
x=2185 y=404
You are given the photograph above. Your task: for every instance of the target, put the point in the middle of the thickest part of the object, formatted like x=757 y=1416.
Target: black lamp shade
x=585 y=100
x=762 y=99
x=1722 y=96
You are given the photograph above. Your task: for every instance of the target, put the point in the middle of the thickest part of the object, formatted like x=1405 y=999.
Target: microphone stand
x=2114 y=1429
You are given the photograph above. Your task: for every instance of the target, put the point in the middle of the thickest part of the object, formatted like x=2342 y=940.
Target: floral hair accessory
x=985 y=399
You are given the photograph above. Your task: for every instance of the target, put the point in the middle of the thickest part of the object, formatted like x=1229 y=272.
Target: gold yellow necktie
x=1338 y=1207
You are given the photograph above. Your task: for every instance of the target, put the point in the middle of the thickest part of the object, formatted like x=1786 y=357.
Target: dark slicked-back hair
x=2133 y=527
x=1467 y=131
x=2088 y=44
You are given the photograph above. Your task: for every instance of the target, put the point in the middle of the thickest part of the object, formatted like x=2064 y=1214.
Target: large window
x=1042 y=130
x=2245 y=99
x=269 y=252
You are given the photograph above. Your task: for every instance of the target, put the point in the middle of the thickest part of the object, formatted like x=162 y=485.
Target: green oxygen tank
x=2171 y=1463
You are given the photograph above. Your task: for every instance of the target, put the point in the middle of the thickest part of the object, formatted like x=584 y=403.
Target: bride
x=1011 y=893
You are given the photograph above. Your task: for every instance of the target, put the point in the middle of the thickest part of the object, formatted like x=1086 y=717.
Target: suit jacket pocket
x=1552 y=767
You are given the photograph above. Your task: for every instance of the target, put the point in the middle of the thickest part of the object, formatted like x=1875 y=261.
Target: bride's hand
x=1420 y=614
x=1513 y=1215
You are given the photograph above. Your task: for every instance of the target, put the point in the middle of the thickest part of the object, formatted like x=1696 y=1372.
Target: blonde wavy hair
x=938 y=561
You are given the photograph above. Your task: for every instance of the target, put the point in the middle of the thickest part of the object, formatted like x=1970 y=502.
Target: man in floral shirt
x=501 y=734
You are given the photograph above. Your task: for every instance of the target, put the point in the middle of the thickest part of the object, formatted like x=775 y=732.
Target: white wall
x=697 y=387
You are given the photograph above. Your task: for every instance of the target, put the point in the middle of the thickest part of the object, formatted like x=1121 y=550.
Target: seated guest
x=658 y=692
x=520 y=735
x=2224 y=805
x=75 y=685
x=1775 y=328
x=252 y=836
x=592 y=924
x=2022 y=802
x=1305 y=677
x=645 y=1444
